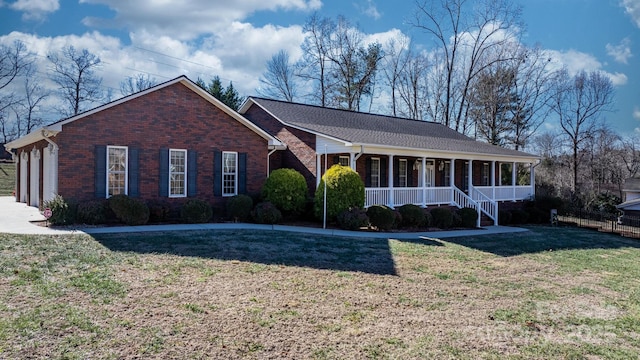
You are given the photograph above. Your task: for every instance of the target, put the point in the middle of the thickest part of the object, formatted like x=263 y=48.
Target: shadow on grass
x=266 y=247
x=545 y=238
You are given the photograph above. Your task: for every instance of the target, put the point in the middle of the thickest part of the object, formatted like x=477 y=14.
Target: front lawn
x=549 y=293
x=7 y=178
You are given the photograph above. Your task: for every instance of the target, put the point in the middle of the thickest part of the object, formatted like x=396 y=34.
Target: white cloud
x=35 y=9
x=187 y=20
x=636 y=113
x=632 y=7
x=576 y=61
x=621 y=52
x=370 y=9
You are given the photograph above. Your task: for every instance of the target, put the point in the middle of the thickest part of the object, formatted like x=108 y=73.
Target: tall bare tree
x=413 y=86
x=579 y=102
x=279 y=79
x=465 y=34
x=315 y=62
x=136 y=83
x=28 y=111
x=74 y=72
x=14 y=62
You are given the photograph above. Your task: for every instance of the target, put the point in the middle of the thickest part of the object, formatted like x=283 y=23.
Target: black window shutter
x=101 y=171
x=336 y=160
x=242 y=173
x=163 y=185
x=409 y=173
x=384 y=177
x=134 y=172
x=367 y=173
x=217 y=173
x=192 y=173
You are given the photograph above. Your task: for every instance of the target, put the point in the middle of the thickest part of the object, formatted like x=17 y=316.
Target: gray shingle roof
x=370 y=129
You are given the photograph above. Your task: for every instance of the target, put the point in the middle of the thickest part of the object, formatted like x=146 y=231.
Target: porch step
x=485 y=221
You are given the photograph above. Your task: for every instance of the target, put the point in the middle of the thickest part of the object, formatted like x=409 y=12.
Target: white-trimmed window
x=116 y=170
x=485 y=174
x=177 y=173
x=229 y=173
x=447 y=173
x=375 y=172
x=344 y=160
x=402 y=173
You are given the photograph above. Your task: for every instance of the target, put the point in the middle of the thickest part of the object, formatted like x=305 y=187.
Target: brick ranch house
x=168 y=143
x=401 y=161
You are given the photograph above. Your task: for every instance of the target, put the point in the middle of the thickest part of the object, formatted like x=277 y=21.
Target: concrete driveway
x=16 y=218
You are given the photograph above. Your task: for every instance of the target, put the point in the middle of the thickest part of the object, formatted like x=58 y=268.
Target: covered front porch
x=433 y=180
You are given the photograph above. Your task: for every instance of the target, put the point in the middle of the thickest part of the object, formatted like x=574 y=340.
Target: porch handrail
x=463 y=200
x=487 y=205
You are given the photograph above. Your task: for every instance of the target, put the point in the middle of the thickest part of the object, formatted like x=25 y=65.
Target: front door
x=430 y=175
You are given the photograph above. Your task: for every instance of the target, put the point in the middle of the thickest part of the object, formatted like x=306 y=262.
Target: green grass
x=552 y=293
x=7 y=178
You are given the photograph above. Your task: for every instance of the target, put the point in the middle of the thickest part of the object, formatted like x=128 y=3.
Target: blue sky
x=234 y=39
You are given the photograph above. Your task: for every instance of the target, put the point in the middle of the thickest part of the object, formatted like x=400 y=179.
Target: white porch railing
x=487 y=205
x=426 y=196
x=410 y=195
x=506 y=193
x=461 y=200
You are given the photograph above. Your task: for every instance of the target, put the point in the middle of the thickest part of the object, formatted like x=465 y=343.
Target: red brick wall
x=171 y=117
x=300 y=154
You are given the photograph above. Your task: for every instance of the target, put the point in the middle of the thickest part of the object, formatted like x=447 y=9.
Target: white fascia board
x=30 y=138
x=401 y=151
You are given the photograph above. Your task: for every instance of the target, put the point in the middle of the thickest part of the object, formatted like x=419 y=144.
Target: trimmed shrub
x=239 y=207
x=345 y=190
x=412 y=215
x=397 y=219
x=159 y=211
x=428 y=219
x=92 y=212
x=469 y=217
x=519 y=216
x=546 y=203
x=287 y=190
x=62 y=211
x=381 y=217
x=352 y=219
x=266 y=213
x=196 y=211
x=504 y=217
x=538 y=216
x=129 y=210
x=442 y=217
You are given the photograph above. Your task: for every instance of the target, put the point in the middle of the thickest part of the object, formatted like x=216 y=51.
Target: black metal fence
x=628 y=226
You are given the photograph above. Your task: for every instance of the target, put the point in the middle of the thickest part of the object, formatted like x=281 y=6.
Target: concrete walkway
x=16 y=218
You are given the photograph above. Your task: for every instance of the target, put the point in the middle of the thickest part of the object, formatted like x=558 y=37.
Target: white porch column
x=390 y=176
x=514 y=172
x=470 y=177
x=318 y=169
x=532 y=182
x=452 y=177
x=424 y=181
x=493 y=179
x=352 y=161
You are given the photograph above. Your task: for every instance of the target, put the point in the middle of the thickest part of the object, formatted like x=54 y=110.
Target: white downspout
x=269 y=161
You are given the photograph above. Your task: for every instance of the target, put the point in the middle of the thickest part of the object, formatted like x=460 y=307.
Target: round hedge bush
x=345 y=190
x=442 y=217
x=239 y=207
x=382 y=217
x=412 y=215
x=129 y=210
x=196 y=211
x=92 y=212
x=266 y=213
x=287 y=190
x=352 y=219
x=469 y=217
